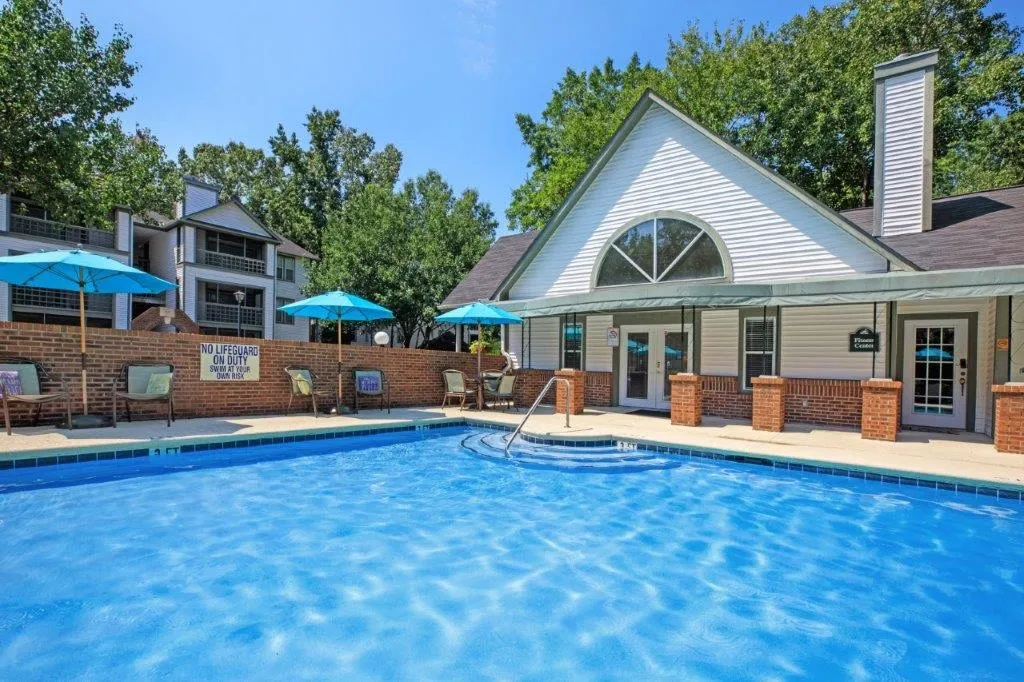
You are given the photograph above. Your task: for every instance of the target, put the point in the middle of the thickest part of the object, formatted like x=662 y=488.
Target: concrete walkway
x=961 y=457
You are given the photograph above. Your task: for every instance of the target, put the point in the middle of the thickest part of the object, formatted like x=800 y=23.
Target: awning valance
x=881 y=287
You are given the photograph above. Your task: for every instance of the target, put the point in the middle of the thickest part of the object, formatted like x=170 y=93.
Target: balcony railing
x=223 y=313
x=65 y=301
x=230 y=262
x=72 y=234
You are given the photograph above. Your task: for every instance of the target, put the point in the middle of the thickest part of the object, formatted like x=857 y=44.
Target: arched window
x=660 y=250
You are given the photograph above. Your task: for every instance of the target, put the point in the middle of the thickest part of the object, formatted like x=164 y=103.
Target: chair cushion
x=11 y=381
x=27 y=374
x=369 y=381
x=302 y=381
x=138 y=376
x=159 y=383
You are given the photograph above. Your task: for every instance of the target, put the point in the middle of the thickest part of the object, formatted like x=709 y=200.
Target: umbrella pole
x=81 y=325
x=337 y=408
x=479 y=367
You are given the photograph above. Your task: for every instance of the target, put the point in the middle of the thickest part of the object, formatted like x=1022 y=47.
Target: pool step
x=564 y=458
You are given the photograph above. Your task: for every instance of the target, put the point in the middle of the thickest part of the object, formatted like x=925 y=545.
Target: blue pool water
x=407 y=556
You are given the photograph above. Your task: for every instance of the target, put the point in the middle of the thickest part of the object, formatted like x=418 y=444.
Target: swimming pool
x=409 y=556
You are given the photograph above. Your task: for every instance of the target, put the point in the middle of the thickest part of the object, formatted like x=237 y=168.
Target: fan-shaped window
x=660 y=250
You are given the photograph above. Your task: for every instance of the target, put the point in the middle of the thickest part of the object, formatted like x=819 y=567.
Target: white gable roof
x=661 y=161
x=231 y=215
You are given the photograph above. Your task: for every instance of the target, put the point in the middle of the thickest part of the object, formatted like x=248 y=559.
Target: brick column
x=769 y=403
x=578 y=379
x=1009 y=430
x=880 y=408
x=686 y=399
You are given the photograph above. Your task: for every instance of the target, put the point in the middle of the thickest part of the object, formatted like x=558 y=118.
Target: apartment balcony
x=225 y=314
x=62 y=232
x=231 y=262
x=31 y=299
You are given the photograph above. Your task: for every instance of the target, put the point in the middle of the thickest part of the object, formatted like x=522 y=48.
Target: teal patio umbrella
x=84 y=272
x=341 y=307
x=479 y=314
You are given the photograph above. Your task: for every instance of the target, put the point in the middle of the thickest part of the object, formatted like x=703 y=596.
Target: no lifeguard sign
x=229 y=362
x=864 y=340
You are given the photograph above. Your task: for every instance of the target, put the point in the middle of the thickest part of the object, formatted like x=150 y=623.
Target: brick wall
x=1009 y=424
x=529 y=385
x=881 y=409
x=830 y=402
x=415 y=375
x=599 y=389
x=721 y=397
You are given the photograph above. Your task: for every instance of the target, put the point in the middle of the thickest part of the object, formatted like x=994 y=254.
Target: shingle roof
x=981 y=229
x=483 y=280
x=290 y=248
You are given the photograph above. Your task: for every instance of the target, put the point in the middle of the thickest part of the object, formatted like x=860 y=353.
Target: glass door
x=674 y=354
x=637 y=351
x=935 y=373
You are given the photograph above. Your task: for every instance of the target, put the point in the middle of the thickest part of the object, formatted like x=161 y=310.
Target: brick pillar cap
x=881 y=383
x=768 y=381
x=1011 y=387
x=568 y=372
x=684 y=377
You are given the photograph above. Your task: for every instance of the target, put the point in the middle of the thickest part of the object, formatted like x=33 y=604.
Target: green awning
x=888 y=286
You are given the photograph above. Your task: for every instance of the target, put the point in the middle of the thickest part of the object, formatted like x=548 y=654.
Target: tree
x=61 y=86
x=406 y=249
x=338 y=162
x=801 y=99
x=128 y=170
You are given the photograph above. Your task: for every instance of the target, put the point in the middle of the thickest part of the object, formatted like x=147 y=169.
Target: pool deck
x=959 y=457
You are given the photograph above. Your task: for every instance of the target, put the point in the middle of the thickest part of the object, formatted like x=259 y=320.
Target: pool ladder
x=540 y=396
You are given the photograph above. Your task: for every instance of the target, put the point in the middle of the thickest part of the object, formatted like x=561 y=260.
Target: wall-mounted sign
x=865 y=340
x=229 y=362
x=613 y=337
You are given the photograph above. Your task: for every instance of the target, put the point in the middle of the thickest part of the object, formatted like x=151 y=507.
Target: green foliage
x=488 y=345
x=407 y=248
x=59 y=142
x=800 y=99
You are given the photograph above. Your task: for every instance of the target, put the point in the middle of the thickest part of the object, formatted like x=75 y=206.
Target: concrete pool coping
x=968 y=459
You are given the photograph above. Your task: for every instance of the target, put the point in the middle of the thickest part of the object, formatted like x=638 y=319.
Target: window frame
x=757 y=316
x=281 y=317
x=706 y=229
x=280 y=268
x=564 y=324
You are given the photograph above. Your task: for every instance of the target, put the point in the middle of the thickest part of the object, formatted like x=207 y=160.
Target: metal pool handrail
x=540 y=396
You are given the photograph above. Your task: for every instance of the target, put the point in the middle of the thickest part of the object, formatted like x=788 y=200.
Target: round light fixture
x=381 y=338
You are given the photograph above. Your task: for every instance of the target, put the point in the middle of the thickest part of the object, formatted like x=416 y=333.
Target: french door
x=936 y=374
x=648 y=356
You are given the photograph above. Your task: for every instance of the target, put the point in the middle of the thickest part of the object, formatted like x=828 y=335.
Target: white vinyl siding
x=542 y=350
x=665 y=165
x=903 y=153
x=231 y=216
x=719 y=336
x=198 y=199
x=599 y=355
x=816 y=342
x=986 y=309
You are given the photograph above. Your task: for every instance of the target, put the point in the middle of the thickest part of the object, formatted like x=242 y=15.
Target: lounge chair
x=304 y=385
x=21 y=381
x=372 y=383
x=145 y=382
x=502 y=393
x=457 y=386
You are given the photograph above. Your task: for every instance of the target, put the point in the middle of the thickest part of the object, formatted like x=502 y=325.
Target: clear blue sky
x=441 y=79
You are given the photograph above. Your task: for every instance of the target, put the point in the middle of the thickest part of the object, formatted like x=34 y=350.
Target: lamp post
x=239 y=298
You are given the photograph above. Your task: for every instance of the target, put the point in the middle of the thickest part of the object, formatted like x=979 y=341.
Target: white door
x=648 y=356
x=936 y=375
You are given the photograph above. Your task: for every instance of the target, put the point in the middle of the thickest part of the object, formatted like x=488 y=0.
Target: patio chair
x=372 y=383
x=304 y=385
x=145 y=382
x=502 y=393
x=22 y=381
x=457 y=386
